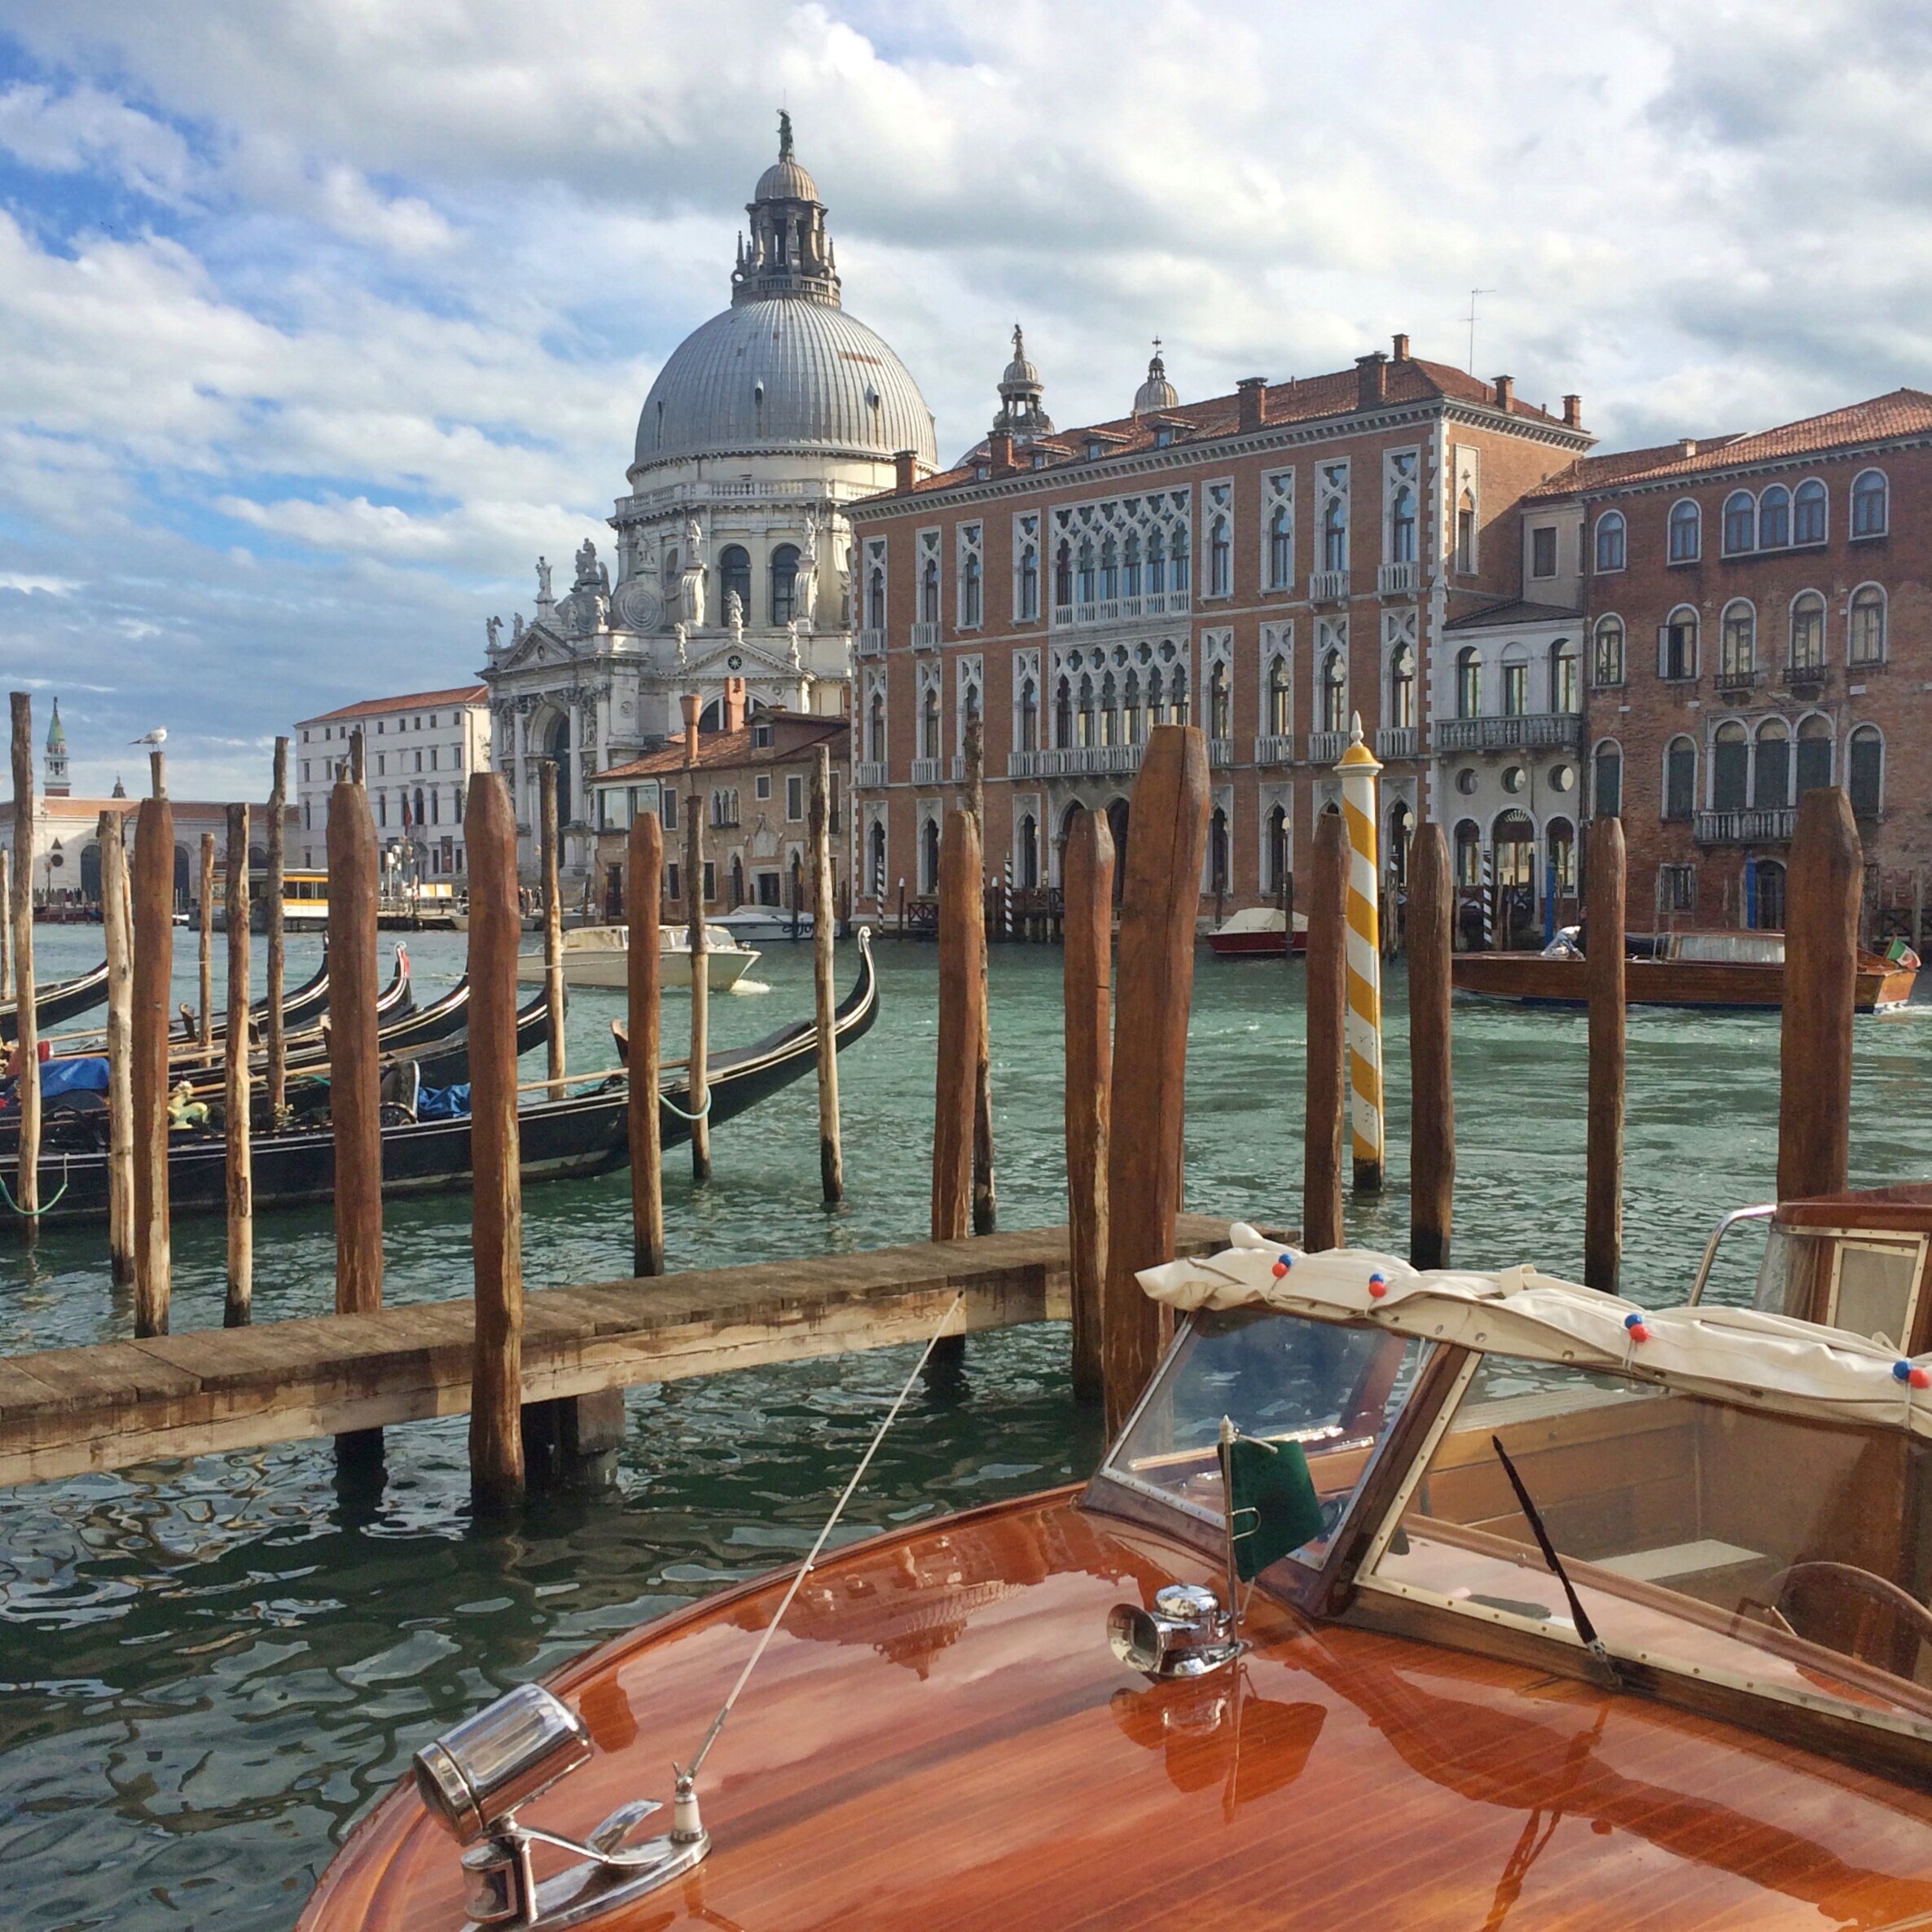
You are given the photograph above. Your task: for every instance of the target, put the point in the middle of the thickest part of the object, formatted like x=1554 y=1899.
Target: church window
x=734 y=578
x=1063 y=575
x=1130 y=565
x=785 y=585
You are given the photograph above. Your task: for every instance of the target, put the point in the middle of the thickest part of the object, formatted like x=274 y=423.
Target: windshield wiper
x=1585 y=1629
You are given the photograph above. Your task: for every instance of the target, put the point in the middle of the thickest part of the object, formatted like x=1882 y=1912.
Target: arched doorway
x=1514 y=840
x=556 y=745
x=1771 y=895
x=1117 y=821
x=1277 y=849
x=180 y=875
x=929 y=856
x=1029 y=852
x=90 y=873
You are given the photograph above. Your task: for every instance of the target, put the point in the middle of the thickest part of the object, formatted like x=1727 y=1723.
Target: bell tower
x=789 y=252
x=54 y=782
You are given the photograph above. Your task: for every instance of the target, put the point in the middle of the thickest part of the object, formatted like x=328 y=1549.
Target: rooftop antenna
x=1473 y=293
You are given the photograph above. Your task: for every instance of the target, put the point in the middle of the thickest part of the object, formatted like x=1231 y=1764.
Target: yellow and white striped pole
x=1359 y=771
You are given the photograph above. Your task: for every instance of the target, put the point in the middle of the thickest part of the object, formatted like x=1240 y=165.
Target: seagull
x=157 y=736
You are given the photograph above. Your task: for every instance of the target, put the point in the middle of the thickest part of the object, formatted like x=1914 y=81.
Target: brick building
x=1266 y=564
x=1756 y=621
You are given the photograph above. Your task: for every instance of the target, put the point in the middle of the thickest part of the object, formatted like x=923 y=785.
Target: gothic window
x=1109 y=570
x=1609 y=541
x=1516 y=682
x=1088 y=719
x=1868 y=506
x=1865 y=636
x=1465 y=535
x=1029 y=716
x=1085 y=581
x=970 y=574
x=1469 y=682
x=734 y=576
x=1335 y=532
x=1130 y=708
x=1220 y=704
x=1741 y=523
x=1217 y=850
x=1401 y=688
x=876 y=728
x=1029 y=852
x=928 y=856
x=1334 y=691
x=1774 y=518
x=1029 y=585
x=1063 y=574
x=1220 y=559
x=1157 y=702
x=1865 y=772
x=1063 y=714
x=1109 y=711
x=784 y=584
x=1277 y=849
x=929 y=723
x=1130 y=565
x=1687 y=528
x=1680 y=779
x=1808 y=513
x=1738 y=642
x=928 y=592
x=875 y=597
x=1281 y=549
x=1564 y=697
x=1771 y=770
x=1180 y=561
x=1280 y=715
x=1814 y=753
x=1401 y=527
x=1181 y=709
x=1608 y=668
x=1157 y=564
x=1807 y=631
x=1730 y=763
x=1607 y=780
x=969 y=591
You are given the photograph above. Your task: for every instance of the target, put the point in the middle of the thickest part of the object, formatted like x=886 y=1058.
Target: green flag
x=1272 y=1501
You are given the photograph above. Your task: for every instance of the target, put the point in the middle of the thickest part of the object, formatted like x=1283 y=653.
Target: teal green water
x=207 y=1670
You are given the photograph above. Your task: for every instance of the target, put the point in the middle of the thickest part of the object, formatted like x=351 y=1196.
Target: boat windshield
x=1731 y=949
x=1332 y=1389
x=1768 y=1553
x=1867 y=1283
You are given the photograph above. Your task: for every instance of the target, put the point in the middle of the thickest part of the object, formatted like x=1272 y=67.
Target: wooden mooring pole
x=238 y=1129
x=831 y=1158
x=1605 y=919
x=115 y=928
x=1328 y=1032
x=1822 y=901
x=962 y=938
x=275 y=1038
x=6 y=924
x=549 y=868
x=496 y=1213
x=1086 y=878
x=204 y=1010
x=698 y=1085
x=643 y=889
x=986 y=1205
x=1169 y=818
x=153 y=976
x=1432 y=1090
x=26 y=1019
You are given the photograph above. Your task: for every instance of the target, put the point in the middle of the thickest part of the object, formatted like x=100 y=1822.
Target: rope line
x=6 y=1193
x=665 y=1100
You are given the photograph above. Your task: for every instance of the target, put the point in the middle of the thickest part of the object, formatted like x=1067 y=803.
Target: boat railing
x=1763 y=1211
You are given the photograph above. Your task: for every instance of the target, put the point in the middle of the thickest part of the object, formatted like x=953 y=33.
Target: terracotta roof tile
x=460 y=693
x=716 y=750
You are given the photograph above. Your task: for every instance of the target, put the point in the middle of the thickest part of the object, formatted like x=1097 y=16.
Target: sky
x=320 y=320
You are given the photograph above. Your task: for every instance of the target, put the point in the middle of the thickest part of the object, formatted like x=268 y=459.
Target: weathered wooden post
x=1823 y=890
x=496 y=1213
x=1604 y=921
x=6 y=924
x=358 y=770
x=275 y=1040
x=1169 y=818
x=698 y=941
x=1086 y=878
x=643 y=889
x=1328 y=1024
x=26 y=1019
x=1432 y=1092
x=1288 y=918
x=355 y=1074
x=153 y=975
x=962 y=937
x=204 y=1010
x=120 y=1104
x=553 y=922
x=236 y=1311
x=986 y=1205
x=832 y=1160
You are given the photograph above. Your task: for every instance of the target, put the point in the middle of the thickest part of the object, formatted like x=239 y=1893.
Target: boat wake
x=750 y=985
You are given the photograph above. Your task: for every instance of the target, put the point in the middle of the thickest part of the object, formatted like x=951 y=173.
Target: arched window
x=1864 y=771
x=1281 y=549
x=928 y=592
x=1807 y=512
x=734 y=578
x=928 y=724
x=1156 y=703
x=876 y=729
x=1607 y=780
x=1774 y=518
x=1275 y=848
x=1738 y=642
x=1814 y=753
x=1280 y=713
x=1869 y=508
x=1730 y=767
x=1220 y=559
x=1607 y=668
x=1063 y=575
x=1181 y=706
x=1468 y=854
x=874 y=599
x=1516 y=682
x=784 y=584
x=970 y=589
x=1770 y=909
x=1609 y=541
x=1087 y=721
x=1401 y=526
x=1465 y=535
x=1560 y=843
x=1807 y=631
x=1770 y=768
x=1334 y=693
x=1687 y=525
x=1085 y=581
x=1217 y=881
x=1109 y=569
x=1130 y=708
x=928 y=856
x=1029 y=585
x=1680 y=779
x=1129 y=583
x=1864 y=640
x=1220 y=704
x=1741 y=523
x=1178 y=577
x=1157 y=564
x=1029 y=716
x=1677 y=644
x=1402 y=687
x=1063 y=714
x=1469 y=682
x=1564 y=694
x=1335 y=533
x=1029 y=852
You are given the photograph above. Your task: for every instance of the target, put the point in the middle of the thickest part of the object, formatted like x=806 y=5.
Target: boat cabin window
x=1761 y=1552
x=1731 y=949
x=1331 y=1390
x=1867 y=1283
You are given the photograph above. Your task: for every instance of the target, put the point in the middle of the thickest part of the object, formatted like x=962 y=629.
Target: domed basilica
x=732 y=549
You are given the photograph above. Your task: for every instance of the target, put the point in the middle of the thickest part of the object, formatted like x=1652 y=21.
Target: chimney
x=1371 y=380
x=1686 y=445
x=1253 y=391
x=1505 y=391
x=734 y=704
x=1573 y=412
x=999 y=451
x=692 y=704
x=903 y=463
x=1402 y=349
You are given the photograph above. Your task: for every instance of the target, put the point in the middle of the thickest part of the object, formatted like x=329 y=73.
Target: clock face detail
x=637 y=605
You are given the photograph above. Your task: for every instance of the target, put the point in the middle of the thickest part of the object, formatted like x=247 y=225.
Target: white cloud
x=86 y=128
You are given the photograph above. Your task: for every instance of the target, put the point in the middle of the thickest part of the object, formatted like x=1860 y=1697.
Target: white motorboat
x=600 y=956
x=760 y=924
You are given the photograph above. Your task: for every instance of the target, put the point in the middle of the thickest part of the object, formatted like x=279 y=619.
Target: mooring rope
x=664 y=1099
x=6 y=1193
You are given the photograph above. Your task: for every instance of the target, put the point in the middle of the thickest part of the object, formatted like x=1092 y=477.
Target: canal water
x=209 y=1670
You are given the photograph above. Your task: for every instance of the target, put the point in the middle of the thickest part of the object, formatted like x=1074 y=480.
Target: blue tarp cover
x=73 y=1076
x=443 y=1103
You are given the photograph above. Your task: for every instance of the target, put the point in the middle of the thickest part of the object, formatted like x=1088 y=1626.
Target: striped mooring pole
x=1359 y=771
x=1006 y=903
x=1489 y=899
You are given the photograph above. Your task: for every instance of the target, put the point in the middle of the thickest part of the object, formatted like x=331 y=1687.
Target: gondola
x=582 y=1134
x=301 y=1010
x=61 y=1001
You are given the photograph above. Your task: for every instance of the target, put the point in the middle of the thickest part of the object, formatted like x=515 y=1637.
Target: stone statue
x=792 y=639
x=603 y=579
x=694 y=542
x=544 y=580
x=682 y=634
x=586 y=565
x=734 y=613
x=493 y=629
x=515 y=630
x=808 y=572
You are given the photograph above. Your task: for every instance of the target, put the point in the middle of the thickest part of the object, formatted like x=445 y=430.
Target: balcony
x=925 y=635
x=1276 y=749
x=1734 y=683
x=1399 y=741
x=1396 y=580
x=1074 y=761
x=1122 y=610
x=868 y=774
x=1772 y=826
x=1328 y=587
x=871 y=643
x=931 y=771
x=1220 y=751
x=1325 y=747
x=1803 y=676
x=1534 y=731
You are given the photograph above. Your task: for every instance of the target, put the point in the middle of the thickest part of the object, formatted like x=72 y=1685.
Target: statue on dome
x=492 y=630
x=807 y=595
x=586 y=565
x=691 y=594
x=792 y=639
x=543 y=595
x=694 y=541
x=734 y=611
x=516 y=629
x=683 y=660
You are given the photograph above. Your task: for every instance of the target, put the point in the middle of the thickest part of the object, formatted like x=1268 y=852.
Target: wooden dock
x=68 y=1411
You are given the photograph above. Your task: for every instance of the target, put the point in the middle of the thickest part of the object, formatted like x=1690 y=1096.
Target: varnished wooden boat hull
x=1528 y=979
x=939 y=1737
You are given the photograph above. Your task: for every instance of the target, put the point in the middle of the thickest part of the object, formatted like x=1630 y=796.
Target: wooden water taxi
x=1260 y=932
x=1534 y=1605
x=600 y=956
x=1718 y=971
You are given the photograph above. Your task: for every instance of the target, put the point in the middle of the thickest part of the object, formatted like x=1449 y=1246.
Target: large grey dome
x=788 y=372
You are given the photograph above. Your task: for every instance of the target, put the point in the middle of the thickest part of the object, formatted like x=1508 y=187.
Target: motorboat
x=1259 y=932
x=600 y=956
x=761 y=925
x=1426 y=1599
x=1716 y=970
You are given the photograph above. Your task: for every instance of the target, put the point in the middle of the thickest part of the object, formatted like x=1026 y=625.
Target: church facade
x=732 y=550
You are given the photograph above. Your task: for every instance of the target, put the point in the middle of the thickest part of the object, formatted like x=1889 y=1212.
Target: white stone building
x=732 y=548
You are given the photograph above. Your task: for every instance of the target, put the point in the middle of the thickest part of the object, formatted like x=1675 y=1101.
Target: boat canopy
x=1729 y=949
x=1742 y=1355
